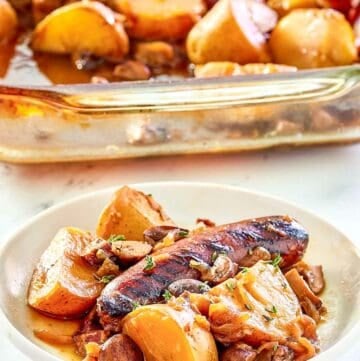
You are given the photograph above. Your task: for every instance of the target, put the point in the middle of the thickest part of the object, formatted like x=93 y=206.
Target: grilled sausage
x=141 y=285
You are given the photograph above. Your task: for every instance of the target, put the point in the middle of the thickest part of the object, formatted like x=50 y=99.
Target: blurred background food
x=64 y=42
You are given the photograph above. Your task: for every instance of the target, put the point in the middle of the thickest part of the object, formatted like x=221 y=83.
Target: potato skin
x=61 y=32
x=220 y=36
x=160 y=20
x=313 y=38
x=8 y=21
x=130 y=213
x=63 y=285
x=170 y=333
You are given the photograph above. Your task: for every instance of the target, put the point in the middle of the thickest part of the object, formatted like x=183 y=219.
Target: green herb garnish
x=204 y=286
x=273 y=309
x=214 y=256
x=267 y=318
x=116 y=238
x=106 y=279
x=244 y=270
x=275 y=347
x=135 y=305
x=150 y=263
x=230 y=285
x=248 y=307
x=183 y=233
x=167 y=295
x=276 y=261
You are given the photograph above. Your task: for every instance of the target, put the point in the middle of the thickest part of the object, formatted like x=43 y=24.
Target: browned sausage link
x=278 y=234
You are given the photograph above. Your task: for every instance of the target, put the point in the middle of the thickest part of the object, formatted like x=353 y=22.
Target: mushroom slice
x=313 y=275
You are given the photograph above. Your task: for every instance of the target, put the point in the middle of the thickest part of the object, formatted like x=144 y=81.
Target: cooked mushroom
x=272 y=351
x=239 y=352
x=222 y=269
x=108 y=267
x=310 y=303
x=120 y=348
x=130 y=252
x=313 y=275
x=158 y=233
x=194 y=286
x=132 y=70
x=257 y=254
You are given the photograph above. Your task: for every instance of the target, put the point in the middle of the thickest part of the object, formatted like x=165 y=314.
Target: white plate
x=185 y=202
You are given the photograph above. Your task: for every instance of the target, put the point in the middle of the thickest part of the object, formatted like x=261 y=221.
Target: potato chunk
x=130 y=213
x=170 y=332
x=313 y=38
x=8 y=21
x=233 y=30
x=63 y=285
x=82 y=27
x=256 y=307
x=159 y=20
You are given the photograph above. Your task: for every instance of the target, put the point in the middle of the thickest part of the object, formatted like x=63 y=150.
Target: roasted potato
x=63 y=285
x=8 y=21
x=130 y=213
x=59 y=69
x=168 y=333
x=231 y=31
x=226 y=68
x=82 y=27
x=283 y=7
x=160 y=20
x=327 y=39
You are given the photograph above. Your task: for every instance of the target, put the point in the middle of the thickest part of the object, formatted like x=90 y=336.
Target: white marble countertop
x=324 y=180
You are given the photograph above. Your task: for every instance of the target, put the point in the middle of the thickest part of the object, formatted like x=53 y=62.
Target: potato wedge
x=327 y=39
x=8 y=21
x=159 y=20
x=231 y=31
x=166 y=333
x=63 y=285
x=130 y=213
x=82 y=27
x=226 y=68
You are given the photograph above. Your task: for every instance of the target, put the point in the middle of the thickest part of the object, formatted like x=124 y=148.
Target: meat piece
x=271 y=351
x=178 y=287
x=279 y=235
x=311 y=303
x=81 y=340
x=313 y=275
x=120 y=348
x=158 y=233
x=239 y=352
x=130 y=252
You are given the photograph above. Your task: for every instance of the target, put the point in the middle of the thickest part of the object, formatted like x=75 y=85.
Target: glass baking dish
x=88 y=122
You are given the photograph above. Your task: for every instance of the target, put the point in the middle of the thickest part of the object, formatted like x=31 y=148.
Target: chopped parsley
x=204 y=287
x=267 y=318
x=248 y=307
x=284 y=285
x=167 y=295
x=214 y=256
x=230 y=285
x=244 y=270
x=273 y=310
x=150 y=263
x=276 y=261
x=135 y=305
x=106 y=279
x=184 y=233
x=116 y=238
x=149 y=195
x=275 y=347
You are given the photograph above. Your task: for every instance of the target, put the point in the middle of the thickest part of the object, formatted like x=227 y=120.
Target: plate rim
x=36 y=352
